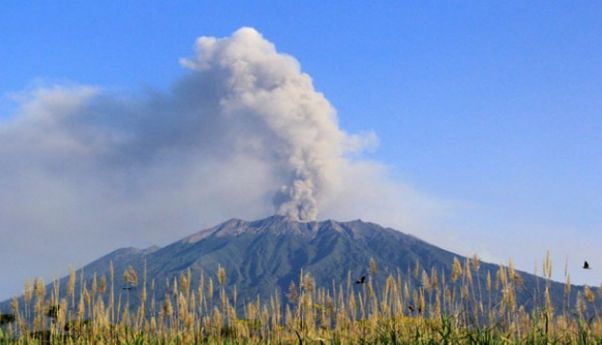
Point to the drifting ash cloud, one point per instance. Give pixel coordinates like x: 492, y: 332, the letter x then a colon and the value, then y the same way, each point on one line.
x: 242, y: 134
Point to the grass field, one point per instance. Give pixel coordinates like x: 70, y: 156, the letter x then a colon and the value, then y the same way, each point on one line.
x: 425, y: 308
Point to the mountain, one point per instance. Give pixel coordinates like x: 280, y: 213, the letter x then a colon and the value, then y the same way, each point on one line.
x: 264, y: 255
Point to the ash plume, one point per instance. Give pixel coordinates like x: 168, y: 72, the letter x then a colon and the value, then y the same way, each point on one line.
x: 299, y: 126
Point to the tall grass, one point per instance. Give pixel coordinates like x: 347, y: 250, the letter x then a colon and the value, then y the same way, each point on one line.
x: 423, y: 307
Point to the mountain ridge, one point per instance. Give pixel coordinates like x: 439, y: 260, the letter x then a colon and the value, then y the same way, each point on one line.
x: 236, y: 226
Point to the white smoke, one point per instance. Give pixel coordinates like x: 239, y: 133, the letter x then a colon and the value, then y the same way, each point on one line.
x: 243, y: 134
x: 265, y: 87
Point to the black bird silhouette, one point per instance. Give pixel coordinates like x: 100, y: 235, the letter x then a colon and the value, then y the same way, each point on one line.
x: 361, y: 280
x: 5, y: 319
x: 586, y: 265
x: 53, y: 311
x: 129, y: 287
x: 412, y: 309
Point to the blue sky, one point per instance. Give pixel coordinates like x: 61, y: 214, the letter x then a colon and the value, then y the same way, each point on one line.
x: 495, y: 106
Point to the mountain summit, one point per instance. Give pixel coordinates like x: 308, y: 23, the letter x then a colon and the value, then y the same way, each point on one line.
x: 263, y: 255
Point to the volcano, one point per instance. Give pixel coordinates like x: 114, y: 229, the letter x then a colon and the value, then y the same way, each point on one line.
x: 263, y: 257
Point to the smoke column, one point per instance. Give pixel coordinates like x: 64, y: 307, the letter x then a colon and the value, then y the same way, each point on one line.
x: 264, y: 86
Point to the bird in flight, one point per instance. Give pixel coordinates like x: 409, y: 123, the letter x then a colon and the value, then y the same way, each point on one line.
x: 586, y: 265
x: 5, y: 319
x: 361, y: 280
x: 53, y: 311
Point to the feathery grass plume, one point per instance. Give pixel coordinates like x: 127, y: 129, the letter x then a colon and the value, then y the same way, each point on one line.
x: 514, y: 275
x: 14, y: 305
x: 417, y: 270
x: 81, y: 306
x: 547, y: 266
x: 580, y: 303
x: 61, y: 315
x: 185, y: 282
x: 567, y: 293
x: 27, y: 296
x: 421, y: 302
x: 40, y: 289
x: 465, y: 291
x: 19, y: 327
x: 201, y: 291
x: 221, y: 275
x: 174, y: 288
x: 235, y: 295
x: 426, y: 282
x: 167, y: 309
x: 40, y: 295
x: 502, y: 276
x: 193, y: 304
x: 292, y: 294
x: 112, y: 292
x: 143, y: 297
x: 210, y: 289
x: 130, y: 277
x: 372, y: 267
x: 352, y: 306
x: 71, y: 285
x: 468, y: 270
x: 456, y: 270
x: 308, y: 283
x: 588, y: 294
x: 387, y: 301
x: 434, y: 278
x: 102, y: 287
x: 94, y: 287
x: 476, y: 263
x: 182, y: 307
x: 549, y: 306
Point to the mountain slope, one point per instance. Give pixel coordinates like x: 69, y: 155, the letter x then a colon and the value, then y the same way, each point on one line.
x: 262, y: 256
